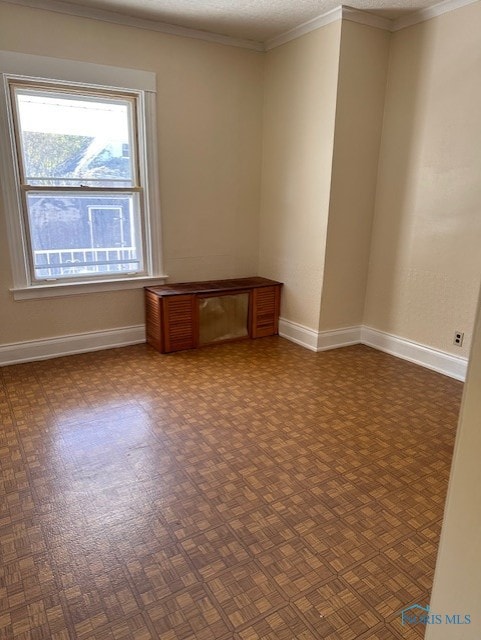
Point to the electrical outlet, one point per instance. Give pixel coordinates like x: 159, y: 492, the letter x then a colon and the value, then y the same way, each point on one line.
x: 458, y: 338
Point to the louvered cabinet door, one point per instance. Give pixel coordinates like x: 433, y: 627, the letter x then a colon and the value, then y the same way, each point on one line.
x: 179, y: 323
x: 265, y: 311
x: 153, y: 325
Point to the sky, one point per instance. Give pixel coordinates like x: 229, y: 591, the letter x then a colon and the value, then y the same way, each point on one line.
x: 96, y: 117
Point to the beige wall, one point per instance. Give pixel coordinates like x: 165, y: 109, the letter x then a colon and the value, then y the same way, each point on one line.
x: 457, y: 587
x: 360, y: 104
x: 304, y: 120
x: 298, y: 132
x: 425, y: 259
x: 209, y: 122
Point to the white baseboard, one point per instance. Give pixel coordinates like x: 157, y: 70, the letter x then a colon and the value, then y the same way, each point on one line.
x: 298, y: 333
x: 318, y: 340
x: 440, y: 361
x: 69, y: 345
x: 338, y: 338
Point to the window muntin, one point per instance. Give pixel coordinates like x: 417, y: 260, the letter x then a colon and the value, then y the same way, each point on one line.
x: 77, y: 155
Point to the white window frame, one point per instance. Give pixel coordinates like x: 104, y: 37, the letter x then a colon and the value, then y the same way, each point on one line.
x: 43, y: 69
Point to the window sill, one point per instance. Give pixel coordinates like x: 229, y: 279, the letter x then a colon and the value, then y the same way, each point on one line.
x: 82, y: 288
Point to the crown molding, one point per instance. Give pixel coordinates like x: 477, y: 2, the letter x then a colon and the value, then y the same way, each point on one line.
x: 305, y: 27
x: 345, y: 12
x: 364, y: 17
x: 430, y: 12
x: 342, y: 12
x: 140, y: 23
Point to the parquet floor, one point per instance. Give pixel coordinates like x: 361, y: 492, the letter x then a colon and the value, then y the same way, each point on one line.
x: 248, y: 491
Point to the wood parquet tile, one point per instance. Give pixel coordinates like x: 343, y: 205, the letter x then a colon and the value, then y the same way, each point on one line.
x: 249, y: 491
x: 335, y: 611
x: 284, y: 624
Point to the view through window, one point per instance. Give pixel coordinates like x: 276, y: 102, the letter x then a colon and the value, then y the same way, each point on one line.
x: 80, y: 181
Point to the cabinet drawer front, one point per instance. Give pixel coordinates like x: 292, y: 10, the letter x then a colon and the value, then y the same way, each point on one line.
x: 179, y: 323
x: 265, y: 311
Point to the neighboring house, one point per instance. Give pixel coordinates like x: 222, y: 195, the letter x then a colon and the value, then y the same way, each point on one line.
x: 99, y: 223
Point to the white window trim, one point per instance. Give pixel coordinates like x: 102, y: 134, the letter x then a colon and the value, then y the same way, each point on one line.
x: 71, y: 71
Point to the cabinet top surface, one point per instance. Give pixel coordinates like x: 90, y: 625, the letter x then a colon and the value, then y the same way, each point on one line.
x: 211, y: 286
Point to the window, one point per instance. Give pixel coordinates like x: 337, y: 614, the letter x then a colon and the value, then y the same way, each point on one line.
x: 81, y: 197
x: 79, y: 161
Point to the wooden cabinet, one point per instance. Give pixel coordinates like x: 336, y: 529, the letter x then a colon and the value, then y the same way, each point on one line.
x: 191, y: 314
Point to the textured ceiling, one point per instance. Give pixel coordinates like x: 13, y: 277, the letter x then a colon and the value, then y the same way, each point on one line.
x: 258, y: 20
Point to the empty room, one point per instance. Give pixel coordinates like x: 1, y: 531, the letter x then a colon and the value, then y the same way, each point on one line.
x: 240, y: 338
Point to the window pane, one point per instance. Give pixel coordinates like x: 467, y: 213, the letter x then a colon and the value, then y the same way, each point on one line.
x: 75, y: 235
x: 71, y: 140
